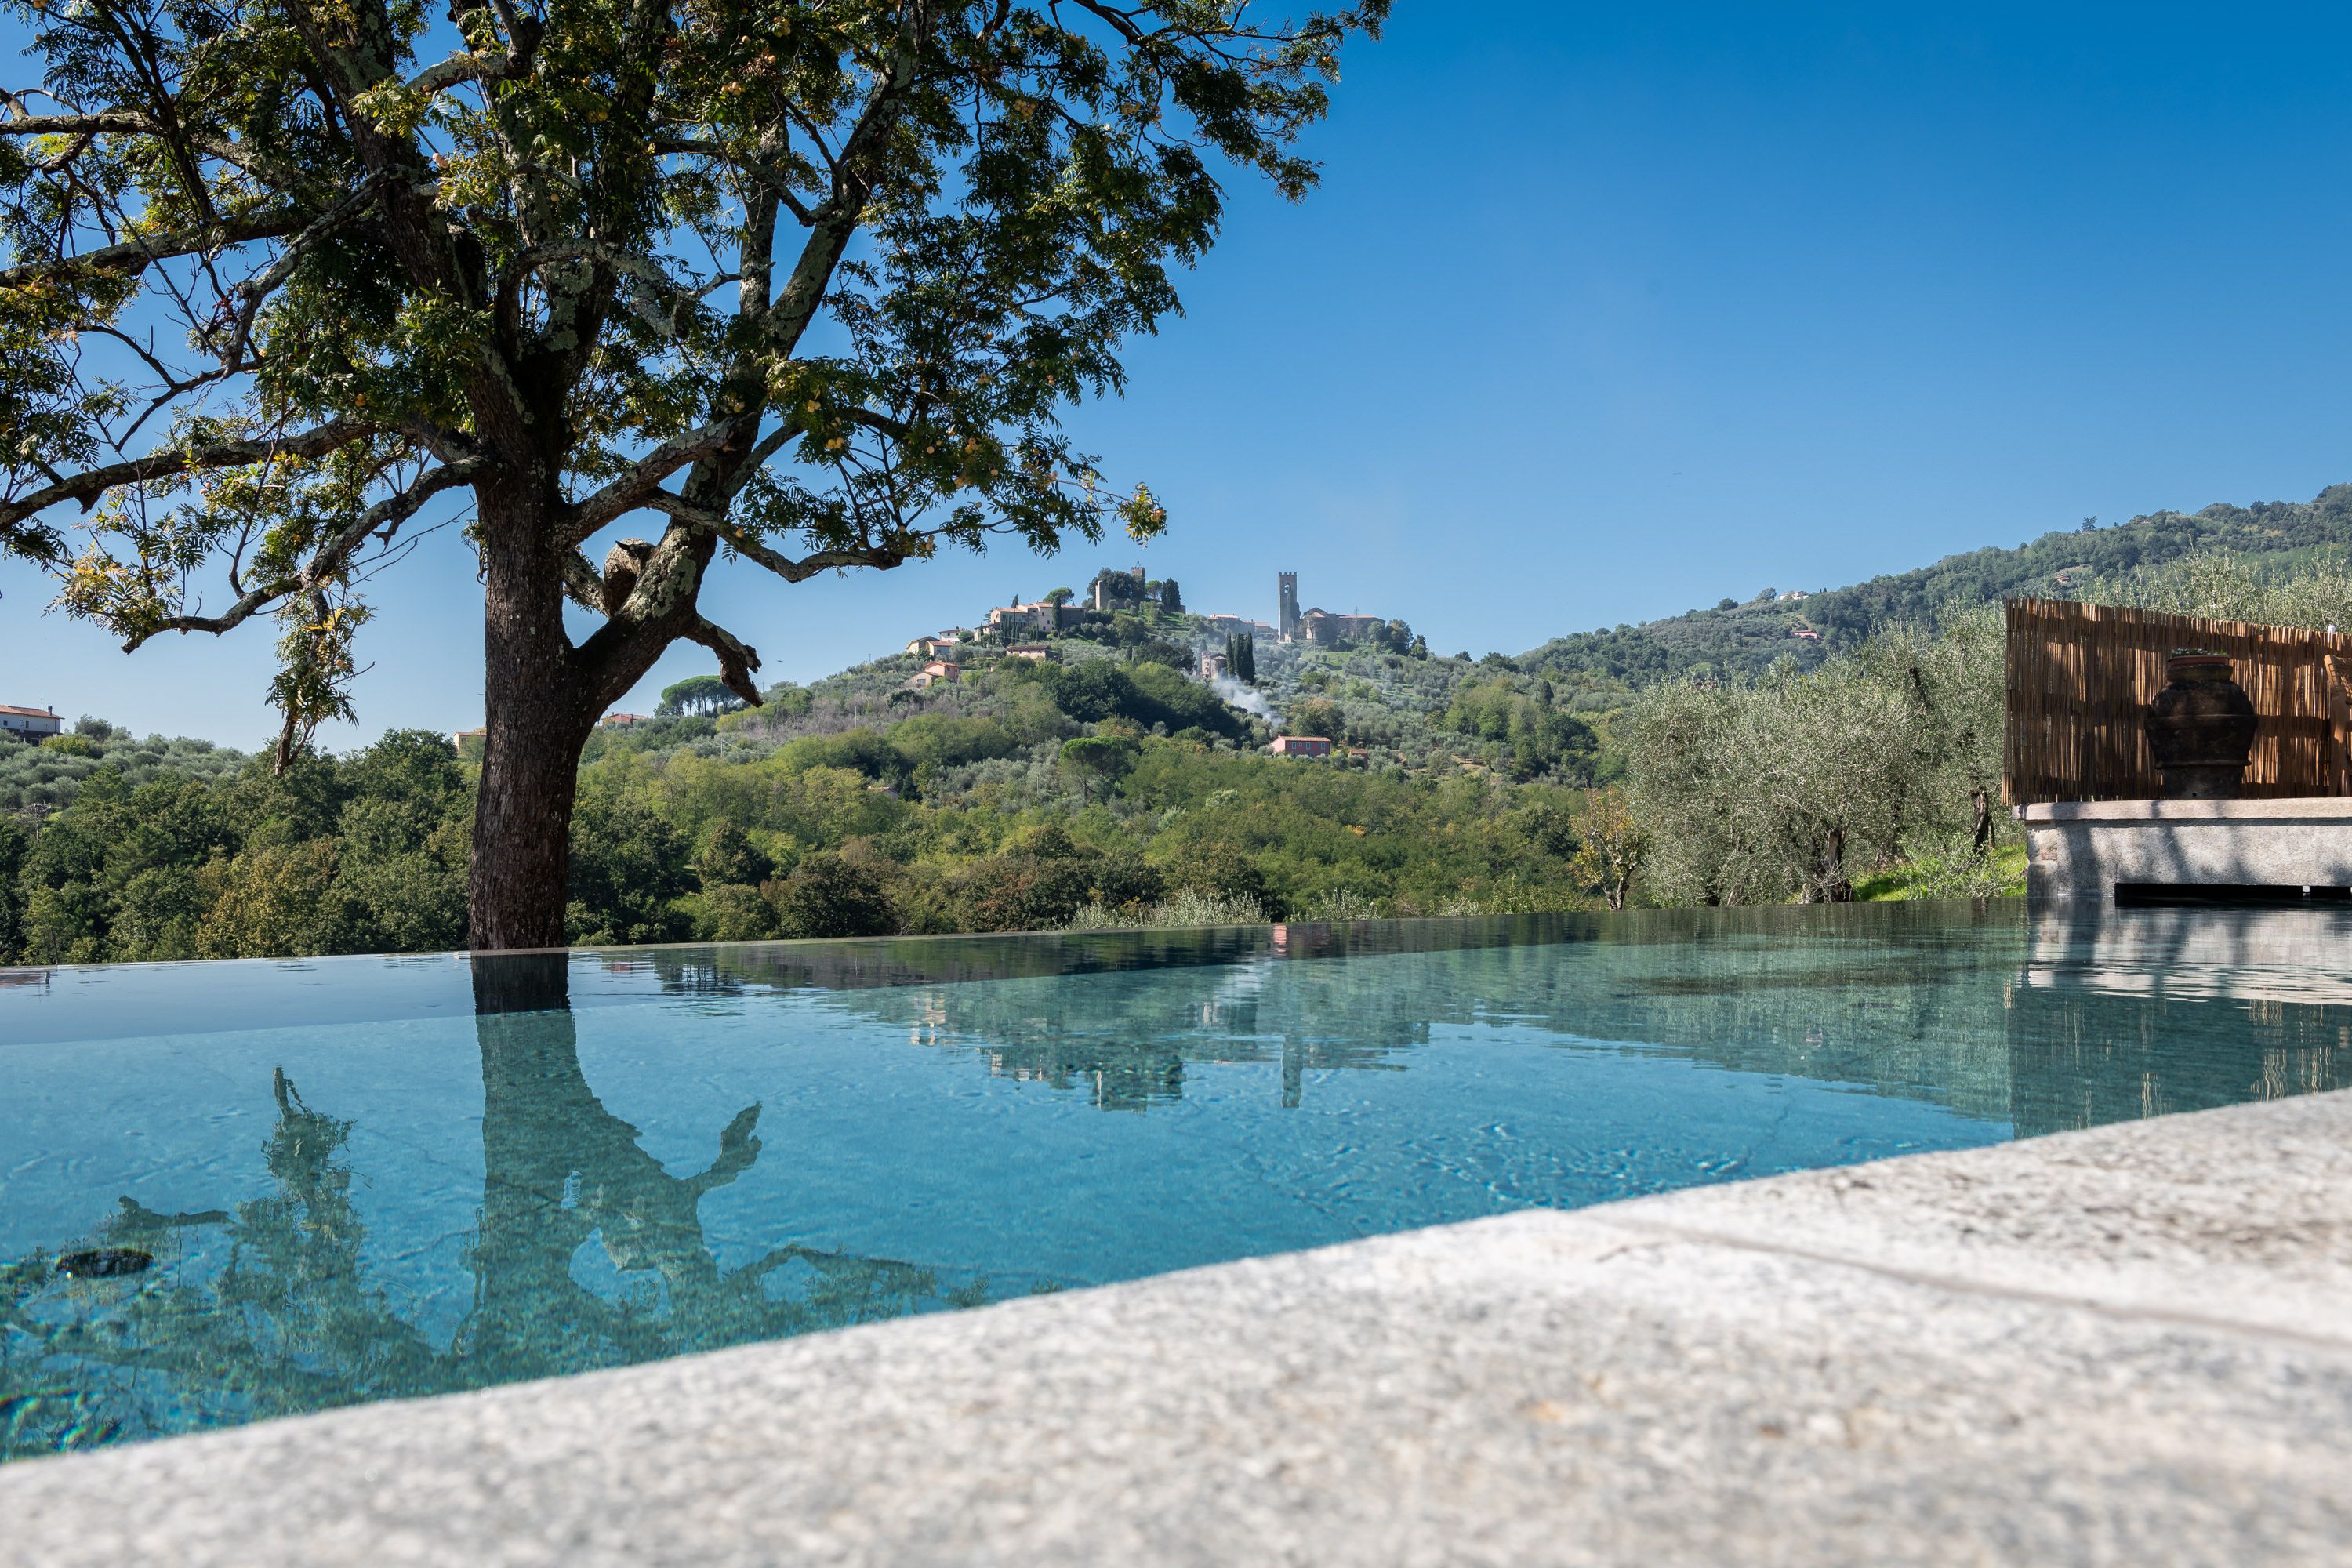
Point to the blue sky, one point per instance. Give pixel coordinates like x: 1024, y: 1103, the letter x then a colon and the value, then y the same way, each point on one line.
x: 1604, y: 312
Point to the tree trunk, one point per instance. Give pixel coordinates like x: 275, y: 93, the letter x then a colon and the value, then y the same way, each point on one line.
x: 537, y: 722
x: 1838, y: 886
x: 1981, y: 836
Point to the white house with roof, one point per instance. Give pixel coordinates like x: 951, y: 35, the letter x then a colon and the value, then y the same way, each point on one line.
x: 29, y: 723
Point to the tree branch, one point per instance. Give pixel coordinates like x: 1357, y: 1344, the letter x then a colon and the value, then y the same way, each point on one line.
x: 111, y: 120
x: 641, y: 486
x: 581, y: 586
x: 257, y: 287
x: 837, y: 218
x: 140, y: 254
x: 770, y: 178
x: 91, y: 484
x: 737, y: 660
x: 760, y: 554
x: 497, y: 65
x: 325, y: 562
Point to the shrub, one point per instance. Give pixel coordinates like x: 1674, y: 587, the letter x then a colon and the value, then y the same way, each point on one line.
x: 830, y: 894
x: 1185, y: 909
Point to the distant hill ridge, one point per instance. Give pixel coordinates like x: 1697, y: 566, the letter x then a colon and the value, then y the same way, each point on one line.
x: 1746, y: 639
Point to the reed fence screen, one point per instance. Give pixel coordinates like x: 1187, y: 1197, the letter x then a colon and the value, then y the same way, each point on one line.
x: 2080, y: 679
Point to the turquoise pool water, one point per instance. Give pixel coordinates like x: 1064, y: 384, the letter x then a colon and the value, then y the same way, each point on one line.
x: 362, y: 1179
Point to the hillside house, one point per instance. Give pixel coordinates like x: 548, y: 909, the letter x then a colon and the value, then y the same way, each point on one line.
x: 935, y: 645
x: 625, y: 720
x: 1213, y: 667
x: 938, y: 669
x: 1034, y: 651
x: 32, y: 724
x: 1240, y: 625
x: 1300, y: 746
x: 1040, y: 615
x: 1326, y: 628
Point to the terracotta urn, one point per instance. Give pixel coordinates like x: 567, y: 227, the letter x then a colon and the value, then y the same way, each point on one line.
x: 2200, y: 729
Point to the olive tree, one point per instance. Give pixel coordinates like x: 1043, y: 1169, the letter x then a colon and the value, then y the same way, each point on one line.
x: 804, y: 283
x: 1794, y: 786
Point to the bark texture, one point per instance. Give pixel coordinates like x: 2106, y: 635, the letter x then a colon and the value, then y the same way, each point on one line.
x: 537, y: 721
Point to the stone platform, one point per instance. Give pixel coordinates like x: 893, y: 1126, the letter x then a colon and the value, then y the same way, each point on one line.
x: 2084, y: 850
x: 2130, y: 1345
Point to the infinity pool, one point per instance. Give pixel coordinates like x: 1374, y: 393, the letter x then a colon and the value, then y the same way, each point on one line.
x: 241, y: 1189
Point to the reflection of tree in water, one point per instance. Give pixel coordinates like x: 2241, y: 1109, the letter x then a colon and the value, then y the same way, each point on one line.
x: 290, y: 1322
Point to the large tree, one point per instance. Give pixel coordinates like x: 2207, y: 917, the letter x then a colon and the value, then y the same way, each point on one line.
x: 804, y: 282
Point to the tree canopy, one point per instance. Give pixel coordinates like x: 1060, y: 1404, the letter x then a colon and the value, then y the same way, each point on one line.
x: 702, y: 694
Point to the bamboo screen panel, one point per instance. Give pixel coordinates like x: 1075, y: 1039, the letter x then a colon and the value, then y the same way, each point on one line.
x: 2081, y: 677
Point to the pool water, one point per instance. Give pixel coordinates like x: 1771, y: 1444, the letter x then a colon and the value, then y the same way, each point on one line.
x: 363, y: 1179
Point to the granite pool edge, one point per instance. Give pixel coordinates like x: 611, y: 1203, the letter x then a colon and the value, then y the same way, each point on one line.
x: 2129, y: 1344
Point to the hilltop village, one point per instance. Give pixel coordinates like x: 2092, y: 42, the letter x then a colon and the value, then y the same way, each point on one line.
x: 1126, y: 609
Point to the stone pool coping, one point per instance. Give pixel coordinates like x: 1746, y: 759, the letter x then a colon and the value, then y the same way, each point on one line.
x: 2086, y: 849
x: 2284, y: 808
x: 2132, y: 1344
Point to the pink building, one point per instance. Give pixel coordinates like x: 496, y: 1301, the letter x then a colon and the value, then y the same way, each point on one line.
x: 1300, y: 746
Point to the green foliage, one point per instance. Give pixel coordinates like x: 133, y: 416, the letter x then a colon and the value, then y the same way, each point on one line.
x: 728, y: 858
x: 15, y: 842
x: 1959, y: 873
x: 706, y: 695
x: 1096, y: 759
x: 1526, y: 736
x: 1604, y: 847
x: 2315, y: 592
x: 44, y: 778
x: 1317, y: 716
x: 364, y: 854
x: 1148, y: 696
x: 1187, y: 908
x: 833, y: 895
x: 1794, y: 786
x: 1159, y: 650
x: 628, y: 871
x: 1737, y: 641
